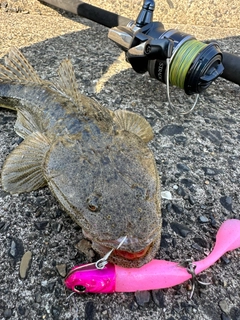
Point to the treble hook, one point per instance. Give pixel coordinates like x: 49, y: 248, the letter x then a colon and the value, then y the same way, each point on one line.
x: 191, y: 269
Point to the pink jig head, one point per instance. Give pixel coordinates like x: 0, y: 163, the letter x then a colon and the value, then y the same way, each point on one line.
x: 157, y: 274
x: 93, y: 277
x: 87, y: 278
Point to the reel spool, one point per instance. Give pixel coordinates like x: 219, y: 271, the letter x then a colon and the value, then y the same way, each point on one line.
x: 193, y: 64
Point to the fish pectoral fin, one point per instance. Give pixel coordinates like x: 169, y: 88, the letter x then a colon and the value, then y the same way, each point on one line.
x: 67, y: 83
x: 18, y: 69
x: 23, y: 168
x: 134, y: 123
x: 25, y: 124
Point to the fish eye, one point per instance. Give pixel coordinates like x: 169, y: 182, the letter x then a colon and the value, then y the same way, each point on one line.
x: 92, y: 207
x: 93, y: 202
x: 80, y: 289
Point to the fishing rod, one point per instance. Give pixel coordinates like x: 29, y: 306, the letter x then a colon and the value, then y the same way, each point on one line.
x: 170, y: 56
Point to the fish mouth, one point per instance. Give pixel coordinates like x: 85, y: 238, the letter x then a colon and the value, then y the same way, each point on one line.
x: 121, y: 257
x: 131, y: 255
x: 127, y: 256
x: 129, y: 259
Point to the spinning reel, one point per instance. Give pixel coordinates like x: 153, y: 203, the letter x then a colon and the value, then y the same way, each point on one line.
x: 171, y: 56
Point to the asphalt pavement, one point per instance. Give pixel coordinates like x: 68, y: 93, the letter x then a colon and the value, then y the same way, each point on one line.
x: 197, y: 157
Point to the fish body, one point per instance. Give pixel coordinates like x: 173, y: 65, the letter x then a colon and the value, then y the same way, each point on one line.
x: 95, y: 161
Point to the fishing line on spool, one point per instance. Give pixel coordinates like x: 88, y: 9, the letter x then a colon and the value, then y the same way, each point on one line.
x: 179, y: 65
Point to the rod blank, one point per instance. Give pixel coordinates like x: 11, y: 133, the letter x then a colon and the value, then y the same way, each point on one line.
x: 101, y: 16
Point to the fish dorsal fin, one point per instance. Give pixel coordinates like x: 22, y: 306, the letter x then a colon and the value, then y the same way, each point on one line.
x: 134, y: 123
x: 18, y: 69
x: 67, y: 83
x: 23, y: 168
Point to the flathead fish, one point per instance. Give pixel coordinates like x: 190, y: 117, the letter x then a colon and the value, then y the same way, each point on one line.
x: 95, y: 161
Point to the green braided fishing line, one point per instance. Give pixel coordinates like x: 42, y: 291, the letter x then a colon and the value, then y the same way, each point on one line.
x: 182, y: 61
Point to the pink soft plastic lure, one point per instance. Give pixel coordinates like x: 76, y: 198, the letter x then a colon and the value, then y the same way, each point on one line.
x: 157, y: 274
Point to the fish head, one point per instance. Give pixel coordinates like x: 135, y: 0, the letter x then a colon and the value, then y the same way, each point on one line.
x: 111, y: 189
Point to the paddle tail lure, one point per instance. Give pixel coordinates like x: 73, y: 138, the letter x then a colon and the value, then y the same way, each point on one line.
x: 157, y: 274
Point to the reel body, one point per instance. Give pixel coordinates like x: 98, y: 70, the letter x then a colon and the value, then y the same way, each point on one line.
x: 193, y: 65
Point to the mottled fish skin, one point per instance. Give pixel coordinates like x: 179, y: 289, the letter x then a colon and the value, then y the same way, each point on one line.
x: 95, y: 161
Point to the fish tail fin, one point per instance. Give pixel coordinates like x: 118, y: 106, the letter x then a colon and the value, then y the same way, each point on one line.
x: 18, y: 69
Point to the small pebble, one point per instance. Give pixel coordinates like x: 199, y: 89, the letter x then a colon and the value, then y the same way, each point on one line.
x: 224, y: 283
x: 226, y: 202
x: 213, y: 135
x: 38, y: 297
x: 191, y: 200
x: 181, y: 192
x: 90, y: 310
x: 41, y: 225
x: 168, y: 207
x: 62, y: 269
x: 25, y: 264
x: 16, y: 250
x: 203, y: 219
x: 225, y: 259
x: 197, y: 247
x: 85, y: 247
x: 166, y: 195
x: 6, y: 227
x: 181, y: 139
x: 171, y: 130
x: 213, y: 222
x: 59, y: 227
x: 2, y: 224
x: 21, y: 310
x: 55, y: 311
x: 224, y: 317
x: 180, y: 229
x: 182, y: 167
x: 158, y: 298
x: 187, y: 183
x: 133, y: 306
x: 224, y: 305
x: 201, y: 242
x: 211, y: 171
x: 177, y: 209
x: 7, y: 313
x: 142, y: 297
